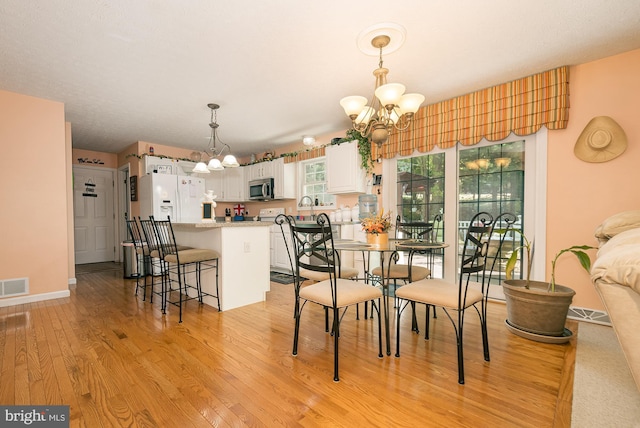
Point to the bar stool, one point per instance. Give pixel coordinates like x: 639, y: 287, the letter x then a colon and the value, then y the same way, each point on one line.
x: 142, y: 251
x: 180, y: 263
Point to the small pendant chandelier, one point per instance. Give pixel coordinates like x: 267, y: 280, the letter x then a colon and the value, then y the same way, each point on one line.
x: 229, y: 161
x: 390, y: 107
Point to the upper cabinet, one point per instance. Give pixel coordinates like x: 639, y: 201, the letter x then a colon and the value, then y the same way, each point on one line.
x: 344, y: 174
x: 284, y: 177
x: 260, y: 170
x: 228, y: 185
x: 234, y: 184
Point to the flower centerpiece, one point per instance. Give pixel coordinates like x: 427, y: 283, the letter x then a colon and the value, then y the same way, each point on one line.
x: 377, y: 228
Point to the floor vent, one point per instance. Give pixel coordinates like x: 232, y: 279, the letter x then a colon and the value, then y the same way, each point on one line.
x: 14, y: 287
x: 589, y: 315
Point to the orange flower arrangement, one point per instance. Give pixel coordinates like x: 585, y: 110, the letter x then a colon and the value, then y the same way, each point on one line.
x: 379, y: 223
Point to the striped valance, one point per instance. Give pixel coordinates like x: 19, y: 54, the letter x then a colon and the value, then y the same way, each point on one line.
x: 521, y: 106
x: 307, y: 154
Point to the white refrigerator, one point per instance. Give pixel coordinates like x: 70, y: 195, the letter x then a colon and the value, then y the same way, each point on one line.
x: 175, y: 196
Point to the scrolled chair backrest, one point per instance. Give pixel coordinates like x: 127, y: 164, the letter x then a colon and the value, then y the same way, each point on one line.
x: 476, y: 243
x: 503, y: 227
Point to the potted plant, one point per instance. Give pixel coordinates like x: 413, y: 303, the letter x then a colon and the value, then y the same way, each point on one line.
x: 538, y: 310
x: 377, y: 228
x: 364, y: 148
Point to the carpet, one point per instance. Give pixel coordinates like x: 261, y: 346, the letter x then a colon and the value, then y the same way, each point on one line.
x: 604, y: 393
x: 281, y: 278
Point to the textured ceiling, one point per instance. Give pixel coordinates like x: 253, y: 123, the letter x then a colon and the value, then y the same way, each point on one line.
x: 145, y: 70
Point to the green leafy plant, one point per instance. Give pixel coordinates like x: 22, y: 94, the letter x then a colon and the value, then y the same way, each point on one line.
x: 364, y: 148
x: 527, y: 249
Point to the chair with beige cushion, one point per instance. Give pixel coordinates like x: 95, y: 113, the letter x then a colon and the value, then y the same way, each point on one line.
x: 181, y: 264
x: 472, y: 288
x: 315, y: 241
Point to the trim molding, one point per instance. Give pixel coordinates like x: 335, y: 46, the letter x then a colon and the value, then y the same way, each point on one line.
x: 34, y: 298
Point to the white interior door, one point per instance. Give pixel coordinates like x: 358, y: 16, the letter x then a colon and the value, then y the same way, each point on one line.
x: 93, y: 210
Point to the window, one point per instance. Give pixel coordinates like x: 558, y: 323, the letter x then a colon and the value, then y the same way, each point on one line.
x: 420, y: 193
x: 313, y: 181
x: 488, y: 176
x: 491, y: 179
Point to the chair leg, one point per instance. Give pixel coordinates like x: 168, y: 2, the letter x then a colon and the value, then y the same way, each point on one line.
x: 379, y: 331
x: 336, y: 334
x: 460, y: 349
x: 297, y: 327
x: 398, y: 313
x: 426, y: 323
x: 485, y: 335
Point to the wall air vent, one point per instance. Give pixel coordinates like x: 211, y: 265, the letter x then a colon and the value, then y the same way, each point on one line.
x: 14, y: 287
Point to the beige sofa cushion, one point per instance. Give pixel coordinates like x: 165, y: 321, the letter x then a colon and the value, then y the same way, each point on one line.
x: 620, y: 265
x: 628, y: 237
x: 617, y: 223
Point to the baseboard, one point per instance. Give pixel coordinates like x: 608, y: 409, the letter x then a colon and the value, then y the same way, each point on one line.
x: 72, y: 281
x: 589, y: 315
x: 34, y: 298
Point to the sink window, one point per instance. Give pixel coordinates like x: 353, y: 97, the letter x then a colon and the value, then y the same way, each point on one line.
x: 313, y: 182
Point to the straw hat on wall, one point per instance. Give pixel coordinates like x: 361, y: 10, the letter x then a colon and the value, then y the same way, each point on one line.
x: 601, y: 140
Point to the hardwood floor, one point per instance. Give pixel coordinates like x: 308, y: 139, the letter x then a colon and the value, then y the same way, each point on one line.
x: 118, y: 362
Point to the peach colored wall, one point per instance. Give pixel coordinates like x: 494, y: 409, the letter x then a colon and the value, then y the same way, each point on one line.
x: 70, y: 218
x: 581, y: 194
x: 92, y: 158
x: 35, y: 215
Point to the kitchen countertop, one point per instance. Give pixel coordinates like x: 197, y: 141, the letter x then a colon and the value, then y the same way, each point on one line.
x: 220, y: 224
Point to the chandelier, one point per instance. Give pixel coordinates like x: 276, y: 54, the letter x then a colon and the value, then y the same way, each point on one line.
x: 390, y: 107
x: 212, y: 150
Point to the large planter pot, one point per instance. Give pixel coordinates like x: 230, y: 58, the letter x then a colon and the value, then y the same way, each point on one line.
x: 536, y: 310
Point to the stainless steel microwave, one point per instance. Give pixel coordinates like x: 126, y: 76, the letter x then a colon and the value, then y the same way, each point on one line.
x: 261, y: 189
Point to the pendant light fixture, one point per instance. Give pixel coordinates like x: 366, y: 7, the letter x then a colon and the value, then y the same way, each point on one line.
x: 390, y: 107
x: 229, y: 161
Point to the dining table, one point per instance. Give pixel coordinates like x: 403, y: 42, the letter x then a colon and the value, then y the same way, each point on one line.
x: 389, y: 254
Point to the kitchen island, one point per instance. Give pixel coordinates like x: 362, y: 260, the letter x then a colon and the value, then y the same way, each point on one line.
x: 244, y: 259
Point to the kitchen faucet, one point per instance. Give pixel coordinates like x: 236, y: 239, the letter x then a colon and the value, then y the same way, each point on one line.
x: 313, y: 217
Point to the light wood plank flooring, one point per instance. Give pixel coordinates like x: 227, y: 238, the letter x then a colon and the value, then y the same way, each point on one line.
x: 118, y: 362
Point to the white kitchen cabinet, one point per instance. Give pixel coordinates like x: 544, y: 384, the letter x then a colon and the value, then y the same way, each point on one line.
x: 234, y: 184
x: 228, y: 185
x: 261, y: 170
x: 344, y: 174
x: 279, y: 255
x: 284, y: 175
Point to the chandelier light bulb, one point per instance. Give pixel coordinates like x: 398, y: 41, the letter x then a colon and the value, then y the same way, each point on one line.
x: 390, y: 94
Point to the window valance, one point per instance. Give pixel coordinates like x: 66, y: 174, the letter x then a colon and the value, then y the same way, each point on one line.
x: 521, y: 106
x: 304, y: 155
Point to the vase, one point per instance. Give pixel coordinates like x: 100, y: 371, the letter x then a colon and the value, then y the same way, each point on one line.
x: 378, y: 239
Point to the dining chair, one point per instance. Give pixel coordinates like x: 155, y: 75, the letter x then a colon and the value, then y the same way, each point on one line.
x: 141, y: 255
x: 472, y: 288
x: 312, y: 250
x: 344, y: 272
x: 181, y: 263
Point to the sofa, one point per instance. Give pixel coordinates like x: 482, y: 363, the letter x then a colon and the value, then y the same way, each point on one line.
x: 616, y: 276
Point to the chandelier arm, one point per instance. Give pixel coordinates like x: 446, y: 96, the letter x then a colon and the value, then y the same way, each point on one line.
x: 404, y: 122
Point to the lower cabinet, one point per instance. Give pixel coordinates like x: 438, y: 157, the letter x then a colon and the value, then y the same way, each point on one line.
x: 278, y: 253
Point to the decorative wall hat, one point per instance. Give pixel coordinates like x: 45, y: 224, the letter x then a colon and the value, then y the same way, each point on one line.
x: 601, y: 140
